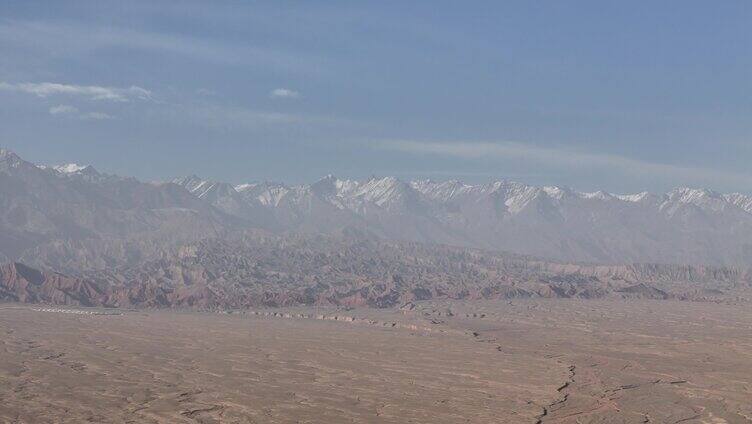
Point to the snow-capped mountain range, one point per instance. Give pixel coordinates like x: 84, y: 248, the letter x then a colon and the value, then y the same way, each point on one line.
x: 40, y: 204
x: 383, y: 192
x: 684, y: 225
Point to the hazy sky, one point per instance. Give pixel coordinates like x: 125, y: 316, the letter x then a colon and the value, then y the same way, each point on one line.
x: 614, y: 95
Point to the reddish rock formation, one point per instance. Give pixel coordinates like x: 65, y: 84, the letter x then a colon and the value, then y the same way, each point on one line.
x: 21, y: 283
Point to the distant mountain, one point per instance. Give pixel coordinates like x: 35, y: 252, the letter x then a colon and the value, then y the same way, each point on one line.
x: 682, y: 226
x: 224, y: 197
x: 73, y: 216
x: 43, y: 206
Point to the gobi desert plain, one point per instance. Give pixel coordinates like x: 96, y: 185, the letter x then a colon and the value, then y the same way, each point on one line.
x: 519, y: 361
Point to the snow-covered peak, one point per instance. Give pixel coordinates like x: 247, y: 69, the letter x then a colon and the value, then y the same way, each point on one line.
x: 333, y: 189
x: 443, y: 191
x: 326, y: 186
x: 692, y: 195
x: 70, y: 168
x: 740, y: 200
x: 599, y: 195
x: 346, y: 187
x: 454, y: 197
x: 205, y: 189
x: 263, y: 185
x: 245, y: 186
x: 268, y: 193
x: 555, y: 192
x: 520, y: 195
x: 697, y: 196
x: 389, y: 193
x: 634, y: 198
x: 10, y: 159
x: 8, y: 154
x: 381, y: 190
x: 191, y: 183
x: 703, y: 198
x: 422, y: 185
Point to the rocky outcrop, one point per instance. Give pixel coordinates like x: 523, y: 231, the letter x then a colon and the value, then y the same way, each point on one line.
x: 643, y: 291
x: 20, y: 283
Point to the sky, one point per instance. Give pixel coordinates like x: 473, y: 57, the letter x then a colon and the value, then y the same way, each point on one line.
x: 595, y: 95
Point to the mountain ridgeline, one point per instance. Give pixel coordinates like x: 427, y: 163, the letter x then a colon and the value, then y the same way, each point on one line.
x: 46, y: 210
x: 694, y: 226
x: 683, y: 226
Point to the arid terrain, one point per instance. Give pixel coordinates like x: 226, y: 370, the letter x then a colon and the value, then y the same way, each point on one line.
x: 368, y: 301
x: 516, y: 212
x: 515, y: 361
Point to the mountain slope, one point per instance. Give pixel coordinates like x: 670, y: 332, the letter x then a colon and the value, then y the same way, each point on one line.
x: 40, y: 205
x: 224, y: 197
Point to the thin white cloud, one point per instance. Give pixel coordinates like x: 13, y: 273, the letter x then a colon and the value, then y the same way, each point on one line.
x: 63, y: 110
x: 565, y: 158
x: 93, y: 92
x: 74, y: 112
x: 284, y: 93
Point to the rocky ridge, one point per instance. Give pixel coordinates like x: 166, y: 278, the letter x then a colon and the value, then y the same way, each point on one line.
x: 252, y: 271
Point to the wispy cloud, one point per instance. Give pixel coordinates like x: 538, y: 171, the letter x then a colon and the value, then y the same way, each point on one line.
x: 554, y: 157
x: 72, y: 111
x: 93, y: 92
x: 63, y: 110
x: 284, y: 93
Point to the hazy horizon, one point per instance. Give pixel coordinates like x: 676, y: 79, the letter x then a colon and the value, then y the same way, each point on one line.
x: 438, y: 178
